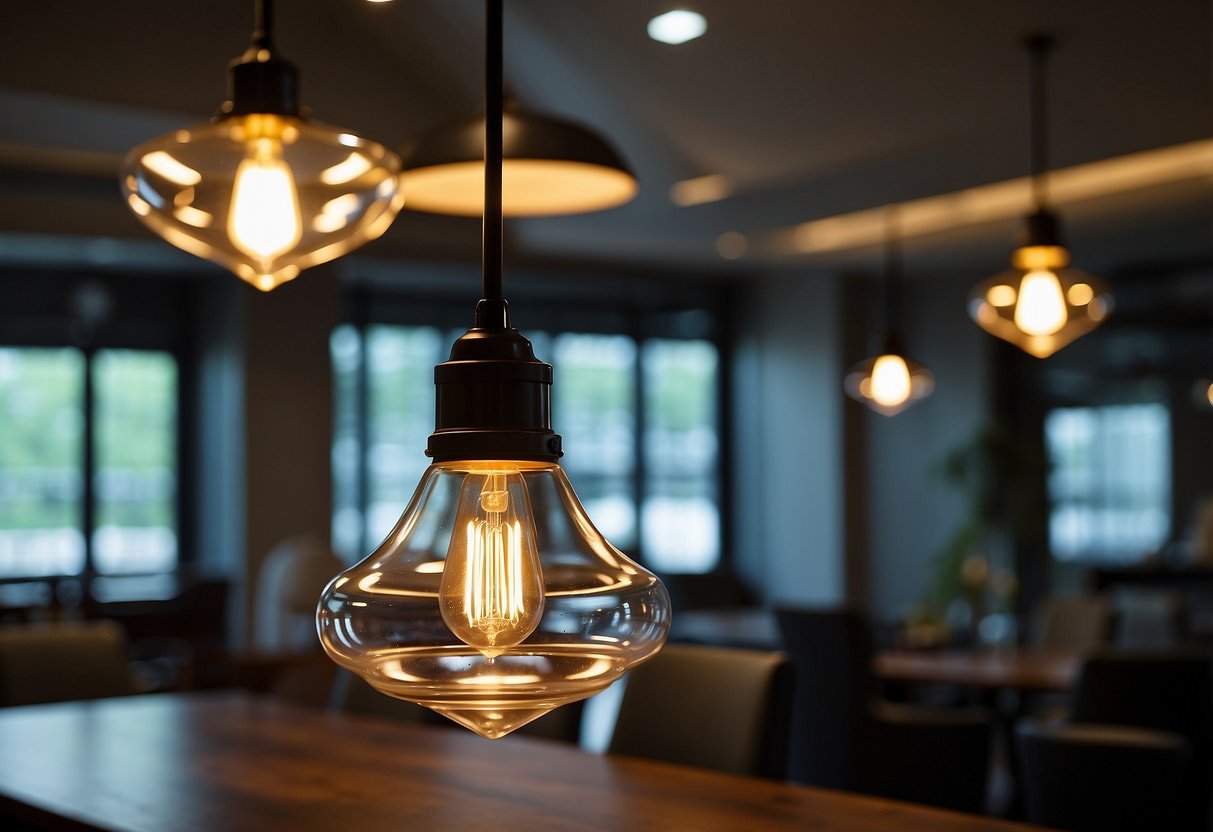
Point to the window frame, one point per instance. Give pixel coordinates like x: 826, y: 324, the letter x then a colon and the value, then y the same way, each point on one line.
x: 598, y: 312
x: 154, y: 318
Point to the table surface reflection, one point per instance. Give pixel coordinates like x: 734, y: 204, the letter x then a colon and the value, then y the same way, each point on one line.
x: 234, y: 762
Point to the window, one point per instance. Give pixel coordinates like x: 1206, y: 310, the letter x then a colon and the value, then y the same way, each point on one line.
x: 1110, y: 485
x: 127, y: 481
x: 657, y: 499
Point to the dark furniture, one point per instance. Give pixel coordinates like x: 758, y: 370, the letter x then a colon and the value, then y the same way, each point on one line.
x: 1102, y: 778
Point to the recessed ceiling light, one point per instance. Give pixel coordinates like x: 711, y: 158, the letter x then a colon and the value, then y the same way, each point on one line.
x: 677, y: 26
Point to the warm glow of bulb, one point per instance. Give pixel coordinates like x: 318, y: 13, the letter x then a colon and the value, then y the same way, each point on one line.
x: 1001, y: 295
x: 492, y: 585
x: 890, y: 385
x: 1042, y: 305
x: 1080, y: 294
x: 1209, y: 393
x: 264, y: 220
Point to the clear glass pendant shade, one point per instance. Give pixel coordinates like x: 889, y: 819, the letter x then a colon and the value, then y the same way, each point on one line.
x: 264, y: 195
x: 493, y: 600
x: 889, y: 383
x: 1040, y: 306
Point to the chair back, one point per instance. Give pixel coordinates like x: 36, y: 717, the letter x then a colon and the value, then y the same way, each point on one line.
x: 1150, y: 619
x: 832, y: 653
x: 1102, y: 777
x: 933, y: 755
x: 1168, y: 691
x: 1072, y: 624
x: 290, y: 581
x: 719, y: 708
x: 60, y: 662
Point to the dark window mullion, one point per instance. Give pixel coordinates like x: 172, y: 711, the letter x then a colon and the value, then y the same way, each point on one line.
x: 89, y: 452
x: 638, y: 425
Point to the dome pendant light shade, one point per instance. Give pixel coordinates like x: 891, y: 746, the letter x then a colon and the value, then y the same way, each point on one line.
x: 262, y: 190
x: 551, y: 167
x: 1041, y: 305
x: 494, y: 599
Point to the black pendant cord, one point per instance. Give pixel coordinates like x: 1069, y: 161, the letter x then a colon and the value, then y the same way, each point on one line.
x: 892, y: 280
x: 1039, y: 47
x: 491, y: 312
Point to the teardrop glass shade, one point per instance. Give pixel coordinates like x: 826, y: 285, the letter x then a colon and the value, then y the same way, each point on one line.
x: 1040, y: 306
x: 889, y: 383
x: 263, y: 195
x: 454, y: 613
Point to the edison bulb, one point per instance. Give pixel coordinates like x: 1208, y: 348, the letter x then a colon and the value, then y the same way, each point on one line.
x: 1041, y: 307
x: 890, y: 380
x: 492, y: 582
x: 264, y: 195
x: 889, y: 383
x: 264, y: 219
x: 493, y: 600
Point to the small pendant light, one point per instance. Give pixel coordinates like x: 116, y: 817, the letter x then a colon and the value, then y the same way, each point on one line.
x: 1040, y: 305
x: 263, y: 190
x: 890, y: 382
x: 494, y: 599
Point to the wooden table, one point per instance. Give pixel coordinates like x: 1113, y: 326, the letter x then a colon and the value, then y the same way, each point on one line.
x: 235, y: 762
x: 1022, y: 670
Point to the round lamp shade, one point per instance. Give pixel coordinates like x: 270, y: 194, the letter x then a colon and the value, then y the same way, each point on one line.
x: 551, y: 167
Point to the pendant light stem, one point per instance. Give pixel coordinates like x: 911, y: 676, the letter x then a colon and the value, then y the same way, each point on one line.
x: 263, y: 24
x: 1039, y: 46
x: 494, y: 94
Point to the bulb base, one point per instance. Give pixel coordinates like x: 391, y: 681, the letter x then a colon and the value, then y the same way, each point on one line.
x: 261, y: 82
x: 494, y: 398
x: 1041, y: 228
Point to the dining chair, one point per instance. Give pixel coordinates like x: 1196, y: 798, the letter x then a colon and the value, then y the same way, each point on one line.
x: 291, y: 578
x: 63, y: 661
x: 1102, y: 777
x: 845, y: 737
x: 1072, y: 624
x: 831, y: 650
x: 933, y: 755
x: 1168, y: 691
x: 720, y: 708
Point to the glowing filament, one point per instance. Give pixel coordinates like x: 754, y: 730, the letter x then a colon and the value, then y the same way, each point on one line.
x: 1042, y: 306
x: 264, y: 220
x: 890, y: 385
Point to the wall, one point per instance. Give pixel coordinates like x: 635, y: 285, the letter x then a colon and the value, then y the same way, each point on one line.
x: 834, y: 503
x: 788, y: 509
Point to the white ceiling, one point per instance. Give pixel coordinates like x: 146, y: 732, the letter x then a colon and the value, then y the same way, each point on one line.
x: 810, y: 108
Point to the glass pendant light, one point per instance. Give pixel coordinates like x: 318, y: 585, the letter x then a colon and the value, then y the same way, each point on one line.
x: 494, y: 599
x: 1040, y: 305
x: 263, y: 190
x: 890, y: 382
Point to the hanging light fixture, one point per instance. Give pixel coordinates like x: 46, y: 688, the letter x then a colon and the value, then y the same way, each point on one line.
x: 551, y: 167
x: 263, y: 190
x: 1040, y: 305
x: 890, y: 382
x: 494, y: 599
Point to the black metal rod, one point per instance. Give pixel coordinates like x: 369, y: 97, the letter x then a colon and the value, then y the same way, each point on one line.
x: 263, y: 23
x: 494, y: 93
x: 1039, y: 46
